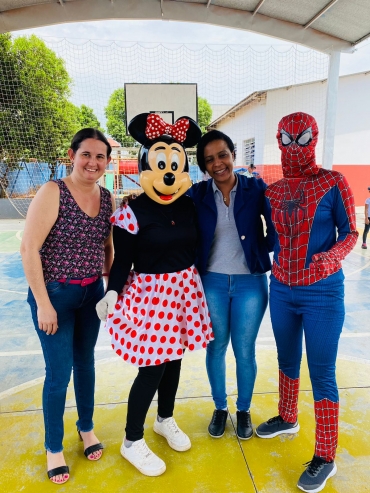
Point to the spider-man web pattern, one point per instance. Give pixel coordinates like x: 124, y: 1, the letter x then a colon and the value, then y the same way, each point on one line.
x: 297, y: 138
x: 288, y: 397
x: 308, y: 249
x: 326, y: 416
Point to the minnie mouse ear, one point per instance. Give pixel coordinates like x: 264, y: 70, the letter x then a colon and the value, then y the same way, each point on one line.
x: 137, y: 127
x: 193, y: 133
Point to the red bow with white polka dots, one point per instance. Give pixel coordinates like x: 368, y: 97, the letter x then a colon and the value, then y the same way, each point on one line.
x: 156, y: 126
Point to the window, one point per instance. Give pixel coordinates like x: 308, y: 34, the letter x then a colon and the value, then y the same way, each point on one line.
x: 249, y: 145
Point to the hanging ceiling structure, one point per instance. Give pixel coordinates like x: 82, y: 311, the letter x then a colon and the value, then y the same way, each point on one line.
x: 323, y: 25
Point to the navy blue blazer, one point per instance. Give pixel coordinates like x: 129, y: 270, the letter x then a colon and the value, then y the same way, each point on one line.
x: 250, y: 203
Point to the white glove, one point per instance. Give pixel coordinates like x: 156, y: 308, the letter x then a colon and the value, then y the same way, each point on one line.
x: 106, y: 305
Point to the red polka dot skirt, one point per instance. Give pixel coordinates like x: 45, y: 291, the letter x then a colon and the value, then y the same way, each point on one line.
x: 157, y: 316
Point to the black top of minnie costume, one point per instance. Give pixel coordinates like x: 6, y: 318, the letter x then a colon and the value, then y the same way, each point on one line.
x: 159, y: 247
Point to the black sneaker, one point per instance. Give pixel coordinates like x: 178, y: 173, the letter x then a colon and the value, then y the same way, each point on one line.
x: 317, y: 473
x: 244, y: 428
x: 276, y: 426
x: 217, y: 425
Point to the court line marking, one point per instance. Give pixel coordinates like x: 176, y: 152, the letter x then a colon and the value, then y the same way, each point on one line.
x: 17, y: 235
x: 22, y: 334
x: 32, y: 352
x: 21, y: 387
x: 359, y: 253
x: 358, y: 270
x: 107, y: 348
x: 15, y: 292
x: 39, y: 380
x: 355, y: 334
x: 343, y: 334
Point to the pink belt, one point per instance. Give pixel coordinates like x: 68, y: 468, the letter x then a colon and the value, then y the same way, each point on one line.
x: 84, y: 282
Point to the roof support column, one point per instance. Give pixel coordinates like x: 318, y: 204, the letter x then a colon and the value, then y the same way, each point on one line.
x: 331, y: 110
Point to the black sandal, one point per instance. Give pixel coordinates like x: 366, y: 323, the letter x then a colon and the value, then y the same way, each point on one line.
x: 90, y: 450
x: 57, y: 471
x: 93, y: 448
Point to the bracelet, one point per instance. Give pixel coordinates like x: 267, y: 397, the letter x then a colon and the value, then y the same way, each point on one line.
x: 105, y: 274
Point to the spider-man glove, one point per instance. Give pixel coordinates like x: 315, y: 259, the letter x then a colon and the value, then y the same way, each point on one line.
x: 325, y: 265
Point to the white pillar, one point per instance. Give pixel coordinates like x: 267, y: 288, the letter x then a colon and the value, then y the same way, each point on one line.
x: 331, y: 110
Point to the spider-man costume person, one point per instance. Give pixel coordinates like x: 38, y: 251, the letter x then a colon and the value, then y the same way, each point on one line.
x: 314, y: 217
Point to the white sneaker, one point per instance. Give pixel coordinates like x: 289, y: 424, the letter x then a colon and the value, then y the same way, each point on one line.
x: 140, y: 456
x: 176, y: 438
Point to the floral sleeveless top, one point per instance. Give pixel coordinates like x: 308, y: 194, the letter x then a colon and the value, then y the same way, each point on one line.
x: 75, y: 245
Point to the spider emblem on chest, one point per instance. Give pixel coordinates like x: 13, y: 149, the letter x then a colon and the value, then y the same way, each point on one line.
x: 292, y: 207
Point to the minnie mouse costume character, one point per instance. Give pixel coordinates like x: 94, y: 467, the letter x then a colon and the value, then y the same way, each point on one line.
x: 314, y: 217
x: 158, y: 309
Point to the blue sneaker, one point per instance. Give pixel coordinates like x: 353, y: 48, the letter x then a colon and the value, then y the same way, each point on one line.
x: 315, y: 476
x: 276, y: 426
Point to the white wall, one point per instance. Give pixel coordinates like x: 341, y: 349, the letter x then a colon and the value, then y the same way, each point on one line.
x: 218, y: 110
x: 249, y: 122
x: 309, y: 98
x: 352, y: 132
x: 260, y: 120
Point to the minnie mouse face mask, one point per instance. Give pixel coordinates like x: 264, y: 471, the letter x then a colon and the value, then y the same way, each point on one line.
x: 163, y: 163
x: 297, y: 138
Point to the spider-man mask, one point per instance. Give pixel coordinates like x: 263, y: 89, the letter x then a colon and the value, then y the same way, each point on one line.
x: 297, y: 137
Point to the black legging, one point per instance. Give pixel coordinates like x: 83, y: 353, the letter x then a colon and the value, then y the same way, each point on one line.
x: 366, y: 230
x: 165, y: 379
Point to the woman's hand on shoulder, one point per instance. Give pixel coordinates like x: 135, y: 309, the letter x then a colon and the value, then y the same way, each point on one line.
x: 127, y: 199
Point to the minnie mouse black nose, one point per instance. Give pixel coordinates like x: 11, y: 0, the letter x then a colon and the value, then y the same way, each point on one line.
x: 169, y: 179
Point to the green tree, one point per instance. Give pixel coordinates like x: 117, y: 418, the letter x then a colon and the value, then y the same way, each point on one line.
x: 87, y: 118
x: 115, y: 113
x: 37, y: 120
x: 204, y: 114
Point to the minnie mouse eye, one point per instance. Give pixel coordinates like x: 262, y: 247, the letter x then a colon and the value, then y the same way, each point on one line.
x: 161, y: 160
x: 305, y: 138
x: 174, y: 161
x: 286, y: 139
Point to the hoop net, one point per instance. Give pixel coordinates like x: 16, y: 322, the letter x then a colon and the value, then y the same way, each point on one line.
x: 249, y: 89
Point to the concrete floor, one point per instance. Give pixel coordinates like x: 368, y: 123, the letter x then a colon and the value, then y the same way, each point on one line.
x: 225, y: 465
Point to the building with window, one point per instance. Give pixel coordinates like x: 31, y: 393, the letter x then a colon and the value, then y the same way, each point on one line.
x: 252, y: 123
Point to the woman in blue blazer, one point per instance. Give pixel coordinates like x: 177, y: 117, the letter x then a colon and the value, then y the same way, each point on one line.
x: 232, y: 259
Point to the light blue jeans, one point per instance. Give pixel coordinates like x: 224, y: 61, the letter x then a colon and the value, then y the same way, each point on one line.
x: 236, y: 304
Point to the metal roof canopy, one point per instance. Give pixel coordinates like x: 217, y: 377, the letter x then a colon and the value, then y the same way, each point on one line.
x: 323, y: 25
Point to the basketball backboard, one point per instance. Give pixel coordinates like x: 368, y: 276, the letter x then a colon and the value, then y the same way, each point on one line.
x: 170, y: 101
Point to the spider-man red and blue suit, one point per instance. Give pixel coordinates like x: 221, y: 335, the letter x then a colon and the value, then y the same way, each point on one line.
x: 314, y: 216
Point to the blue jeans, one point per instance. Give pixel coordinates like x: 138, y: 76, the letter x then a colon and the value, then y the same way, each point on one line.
x: 236, y: 304
x: 318, y: 312
x: 72, y: 346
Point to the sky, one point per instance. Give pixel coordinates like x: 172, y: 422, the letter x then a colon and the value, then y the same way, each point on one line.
x: 187, y: 33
